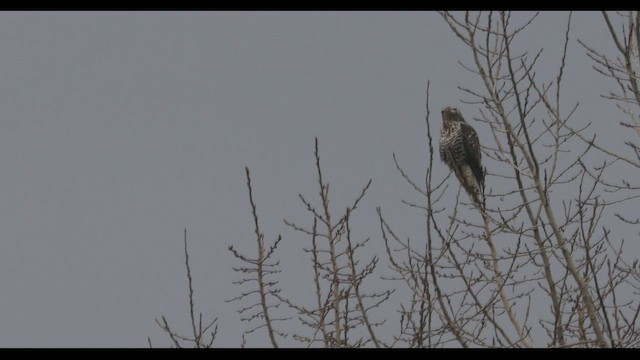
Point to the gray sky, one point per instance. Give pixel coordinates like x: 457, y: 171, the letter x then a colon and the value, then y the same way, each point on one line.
x: 119, y: 129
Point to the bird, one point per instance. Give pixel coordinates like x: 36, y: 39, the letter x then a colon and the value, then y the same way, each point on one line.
x: 460, y: 150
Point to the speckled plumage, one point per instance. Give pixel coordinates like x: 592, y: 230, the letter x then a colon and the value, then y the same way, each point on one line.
x: 460, y: 150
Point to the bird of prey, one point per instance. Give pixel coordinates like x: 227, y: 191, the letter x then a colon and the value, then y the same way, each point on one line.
x: 460, y: 150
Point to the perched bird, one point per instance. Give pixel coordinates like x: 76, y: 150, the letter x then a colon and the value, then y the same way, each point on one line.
x: 460, y: 150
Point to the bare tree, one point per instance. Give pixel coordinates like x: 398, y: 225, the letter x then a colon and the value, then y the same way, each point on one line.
x: 540, y: 263
x: 546, y: 209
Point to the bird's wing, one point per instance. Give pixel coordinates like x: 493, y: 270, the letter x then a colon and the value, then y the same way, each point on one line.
x: 473, y: 153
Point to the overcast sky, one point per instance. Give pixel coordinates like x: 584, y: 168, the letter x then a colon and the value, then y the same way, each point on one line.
x: 118, y: 130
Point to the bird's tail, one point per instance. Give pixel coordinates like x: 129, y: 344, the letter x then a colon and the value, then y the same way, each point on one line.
x: 474, y: 189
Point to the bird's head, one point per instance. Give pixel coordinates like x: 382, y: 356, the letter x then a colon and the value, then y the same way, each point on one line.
x: 451, y: 115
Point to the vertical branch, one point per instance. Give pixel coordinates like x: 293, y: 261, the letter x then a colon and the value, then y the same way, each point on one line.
x: 191, y: 305
x: 506, y: 303
x: 262, y: 256
x: 421, y: 271
x: 198, y: 331
x: 259, y: 269
x: 355, y: 282
x: 331, y: 237
x: 426, y: 320
x: 316, y: 279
